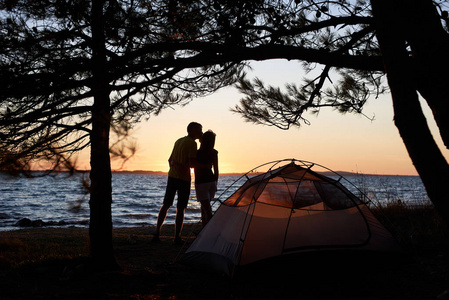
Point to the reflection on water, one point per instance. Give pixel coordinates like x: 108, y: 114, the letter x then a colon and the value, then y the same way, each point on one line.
x: 138, y: 197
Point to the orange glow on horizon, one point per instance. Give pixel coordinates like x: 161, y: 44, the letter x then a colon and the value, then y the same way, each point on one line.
x: 339, y: 142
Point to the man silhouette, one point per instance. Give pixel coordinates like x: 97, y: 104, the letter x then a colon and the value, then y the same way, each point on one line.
x: 181, y: 160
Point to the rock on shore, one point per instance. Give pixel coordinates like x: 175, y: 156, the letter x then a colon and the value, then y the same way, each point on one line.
x: 25, y: 222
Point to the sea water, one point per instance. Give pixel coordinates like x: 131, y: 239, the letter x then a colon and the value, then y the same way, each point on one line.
x: 62, y: 200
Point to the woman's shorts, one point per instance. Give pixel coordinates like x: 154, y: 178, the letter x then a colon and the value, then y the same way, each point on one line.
x: 206, y: 191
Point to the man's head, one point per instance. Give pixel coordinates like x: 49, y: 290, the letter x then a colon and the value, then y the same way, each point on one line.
x: 195, y: 130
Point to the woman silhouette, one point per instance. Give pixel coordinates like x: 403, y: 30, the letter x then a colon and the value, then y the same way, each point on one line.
x: 206, y: 174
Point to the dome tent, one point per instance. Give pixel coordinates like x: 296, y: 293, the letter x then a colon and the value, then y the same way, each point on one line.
x: 285, y: 211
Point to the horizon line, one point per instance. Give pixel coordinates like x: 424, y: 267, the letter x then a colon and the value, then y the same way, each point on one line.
x: 341, y: 173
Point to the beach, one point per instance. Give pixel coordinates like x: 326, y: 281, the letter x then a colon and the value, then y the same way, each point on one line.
x: 51, y: 263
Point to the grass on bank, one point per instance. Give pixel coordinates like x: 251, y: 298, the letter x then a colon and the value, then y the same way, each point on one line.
x: 39, y: 244
x: 28, y: 246
x: 418, y: 228
x: 46, y: 263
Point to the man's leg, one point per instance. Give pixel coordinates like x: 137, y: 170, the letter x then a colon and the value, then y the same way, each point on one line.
x: 183, y: 199
x: 179, y: 222
x: 169, y: 197
x: 161, y: 218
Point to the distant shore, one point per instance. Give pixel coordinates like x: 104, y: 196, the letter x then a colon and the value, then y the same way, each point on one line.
x: 148, y: 172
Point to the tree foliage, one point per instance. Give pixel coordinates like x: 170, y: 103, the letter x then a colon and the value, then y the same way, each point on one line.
x: 162, y: 53
x: 153, y: 61
x: 338, y: 44
x: 344, y: 57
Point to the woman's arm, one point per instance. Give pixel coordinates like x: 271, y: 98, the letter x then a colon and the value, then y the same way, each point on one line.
x: 215, y: 165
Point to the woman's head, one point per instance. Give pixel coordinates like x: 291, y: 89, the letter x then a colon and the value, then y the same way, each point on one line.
x: 208, y: 140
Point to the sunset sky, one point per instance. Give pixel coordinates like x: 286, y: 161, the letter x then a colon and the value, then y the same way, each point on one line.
x: 340, y: 142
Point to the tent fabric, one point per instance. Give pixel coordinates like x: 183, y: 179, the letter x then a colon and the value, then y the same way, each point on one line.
x: 289, y: 210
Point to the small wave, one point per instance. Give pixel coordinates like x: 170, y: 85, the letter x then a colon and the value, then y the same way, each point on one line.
x: 140, y: 216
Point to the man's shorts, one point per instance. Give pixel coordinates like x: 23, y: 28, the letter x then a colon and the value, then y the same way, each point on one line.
x: 177, y: 185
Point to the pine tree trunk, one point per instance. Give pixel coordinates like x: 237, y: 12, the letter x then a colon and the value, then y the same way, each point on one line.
x: 409, y: 118
x: 429, y: 43
x: 100, y: 228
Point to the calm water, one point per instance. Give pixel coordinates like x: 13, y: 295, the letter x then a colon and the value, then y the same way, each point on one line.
x: 137, y: 198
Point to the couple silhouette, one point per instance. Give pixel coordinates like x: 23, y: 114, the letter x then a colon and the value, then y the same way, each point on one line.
x: 184, y: 157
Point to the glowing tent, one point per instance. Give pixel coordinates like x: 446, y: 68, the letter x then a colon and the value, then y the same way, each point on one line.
x: 287, y: 210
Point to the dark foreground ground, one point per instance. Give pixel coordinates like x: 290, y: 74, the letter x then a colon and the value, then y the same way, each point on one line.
x: 50, y: 263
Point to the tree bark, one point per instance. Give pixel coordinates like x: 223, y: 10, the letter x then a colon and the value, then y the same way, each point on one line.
x: 409, y: 118
x: 100, y: 228
x: 429, y: 43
